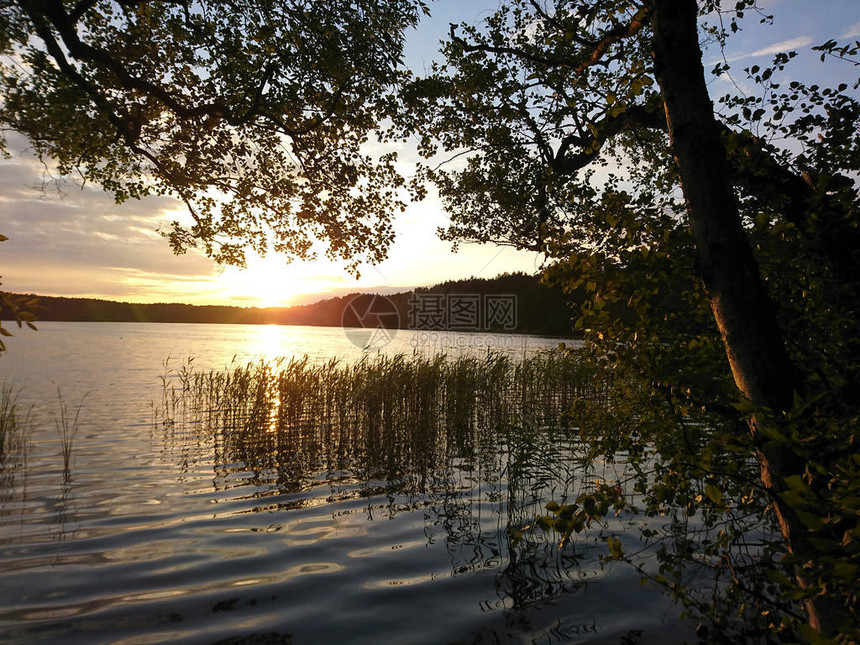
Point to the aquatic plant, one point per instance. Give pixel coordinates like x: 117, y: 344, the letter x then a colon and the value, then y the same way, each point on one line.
x: 467, y: 439
x: 270, y: 405
x: 67, y: 425
x: 399, y: 420
x: 16, y: 423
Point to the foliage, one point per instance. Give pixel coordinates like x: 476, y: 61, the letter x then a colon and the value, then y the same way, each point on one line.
x: 523, y: 122
x: 256, y: 115
x: 556, y: 139
x: 19, y: 308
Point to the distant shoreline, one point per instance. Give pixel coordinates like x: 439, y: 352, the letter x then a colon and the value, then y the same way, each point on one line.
x: 534, y: 309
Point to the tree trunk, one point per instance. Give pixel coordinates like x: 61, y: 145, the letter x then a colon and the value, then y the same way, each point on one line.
x: 744, y: 314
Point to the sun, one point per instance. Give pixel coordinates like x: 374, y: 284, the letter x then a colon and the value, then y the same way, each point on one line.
x: 264, y: 282
x: 273, y: 281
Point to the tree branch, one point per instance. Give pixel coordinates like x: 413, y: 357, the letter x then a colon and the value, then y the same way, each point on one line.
x: 595, y: 50
x: 81, y: 7
x: 614, y: 35
x: 56, y: 13
x: 633, y: 118
x: 794, y: 198
x: 752, y: 169
x: 555, y: 23
x: 511, y: 51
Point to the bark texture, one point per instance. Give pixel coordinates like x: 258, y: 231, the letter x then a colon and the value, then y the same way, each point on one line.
x: 744, y: 314
x: 746, y: 319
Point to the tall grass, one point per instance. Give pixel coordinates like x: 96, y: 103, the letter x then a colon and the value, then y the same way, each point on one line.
x: 15, y: 426
x: 379, y: 417
x: 67, y: 424
x: 455, y: 437
x: 458, y: 437
x: 15, y: 422
x: 384, y: 390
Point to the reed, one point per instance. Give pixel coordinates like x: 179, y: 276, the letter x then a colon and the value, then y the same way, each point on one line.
x: 455, y: 437
x: 67, y: 424
x: 383, y: 390
x: 15, y: 423
x: 378, y: 417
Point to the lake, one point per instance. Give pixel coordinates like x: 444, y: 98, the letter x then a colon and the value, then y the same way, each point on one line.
x: 171, y: 525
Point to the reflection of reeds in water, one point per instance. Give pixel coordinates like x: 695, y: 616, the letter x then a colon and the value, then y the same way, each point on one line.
x: 458, y: 437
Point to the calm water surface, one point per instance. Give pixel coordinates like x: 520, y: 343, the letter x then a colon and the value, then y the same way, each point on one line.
x: 171, y: 533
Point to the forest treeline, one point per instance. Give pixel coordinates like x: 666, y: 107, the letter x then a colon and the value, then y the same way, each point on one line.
x: 538, y: 308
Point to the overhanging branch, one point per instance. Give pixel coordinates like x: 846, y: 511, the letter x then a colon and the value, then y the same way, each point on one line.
x: 633, y: 118
x: 591, y: 55
x: 47, y: 14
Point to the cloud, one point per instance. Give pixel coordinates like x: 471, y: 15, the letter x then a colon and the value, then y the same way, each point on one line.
x: 782, y: 46
x: 853, y: 31
x: 68, y: 240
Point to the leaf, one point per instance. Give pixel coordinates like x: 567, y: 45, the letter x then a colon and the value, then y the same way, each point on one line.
x: 714, y: 493
x: 778, y: 577
x: 811, y: 520
x: 847, y: 571
x: 814, y: 637
x: 799, y: 486
x: 615, y: 548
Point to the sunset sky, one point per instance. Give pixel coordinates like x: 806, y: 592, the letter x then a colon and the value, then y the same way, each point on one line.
x: 80, y: 243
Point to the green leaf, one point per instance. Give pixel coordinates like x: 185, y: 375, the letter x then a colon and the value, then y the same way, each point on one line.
x: 814, y: 637
x: 615, y: 548
x: 811, y: 520
x: 714, y: 493
x: 778, y: 577
x: 847, y: 571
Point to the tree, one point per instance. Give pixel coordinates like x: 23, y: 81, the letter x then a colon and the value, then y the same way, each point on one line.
x: 575, y: 124
x: 256, y: 115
